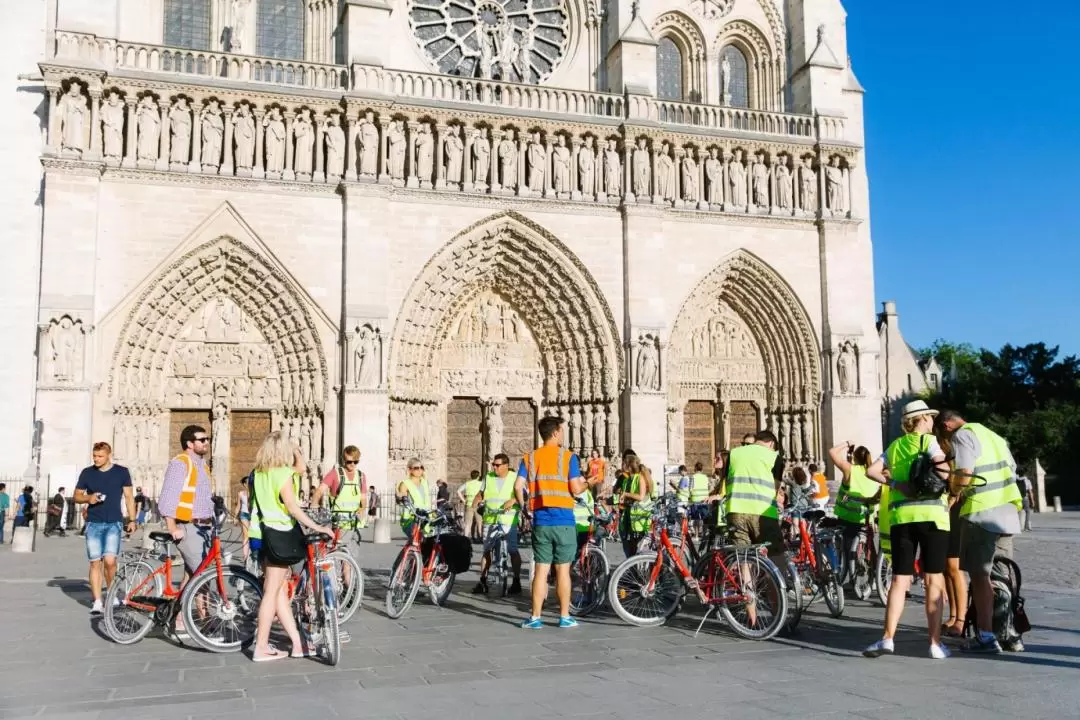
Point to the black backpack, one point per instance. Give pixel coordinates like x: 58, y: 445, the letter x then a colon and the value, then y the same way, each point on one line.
x: 1010, y: 618
x: 923, y: 479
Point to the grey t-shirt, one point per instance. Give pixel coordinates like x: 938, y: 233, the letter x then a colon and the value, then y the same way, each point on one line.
x: 1002, y: 519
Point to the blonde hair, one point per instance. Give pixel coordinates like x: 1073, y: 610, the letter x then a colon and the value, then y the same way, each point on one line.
x: 911, y: 423
x: 277, y: 450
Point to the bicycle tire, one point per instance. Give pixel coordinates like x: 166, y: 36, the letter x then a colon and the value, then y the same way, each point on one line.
x: 406, y: 578
x: 327, y: 615
x: 829, y: 583
x: 441, y: 584
x: 883, y: 577
x: 797, y: 600
x: 668, y: 580
x: 592, y: 579
x: 116, y: 608
x: 861, y: 579
x: 239, y: 617
x: 349, y: 597
x: 771, y: 574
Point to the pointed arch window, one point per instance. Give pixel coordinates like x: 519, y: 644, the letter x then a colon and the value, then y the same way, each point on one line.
x: 279, y: 31
x: 187, y: 24
x: 735, y: 77
x: 669, y: 70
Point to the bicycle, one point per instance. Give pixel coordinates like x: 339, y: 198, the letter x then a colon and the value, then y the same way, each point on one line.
x: 313, y: 594
x: 410, y: 571
x: 864, y: 560
x: 590, y: 569
x: 499, y: 569
x: 143, y: 595
x: 808, y: 543
x: 741, y: 582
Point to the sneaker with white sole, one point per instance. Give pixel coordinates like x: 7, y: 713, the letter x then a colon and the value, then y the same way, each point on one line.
x: 96, y: 610
x: 885, y: 646
x: 939, y: 651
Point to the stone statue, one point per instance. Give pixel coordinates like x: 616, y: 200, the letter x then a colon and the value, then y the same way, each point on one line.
x: 689, y: 178
x: 304, y: 135
x: 641, y: 169
x: 648, y: 364
x: 494, y: 422
x: 453, y: 148
x: 149, y: 125
x: 674, y: 433
x: 487, y: 54
x: 213, y: 129
x: 366, y: 358
x: 396, y: 138
x: 481, y: 151
x: 598, y: 428
x: 612, y: 170
x: 239, y: 24
x: 714, y: 172
x: 65, y: 344
x: 759, y: 180
x: 180, y: 128
x: 737, y: 180
x: 845, y: 369
x: 725, y: 80
x: 537, y: 155
x: 665, y: 174
x: 561, y: 165
x: 425, y: 153
x: 73, y: 112
x: 783, y: 183
x: 244, y: 135
x: 508, y: 53
x: 112, y: 116
x: 335, y: 146
x: 508, y: 160
x: 275, y: 141
x: 808, y: 183
x: 368, y: 139
x: 587, y: 167
x: 834, y: 184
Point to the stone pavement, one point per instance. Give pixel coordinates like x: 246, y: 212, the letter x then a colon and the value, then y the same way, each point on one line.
x: 470, y: 659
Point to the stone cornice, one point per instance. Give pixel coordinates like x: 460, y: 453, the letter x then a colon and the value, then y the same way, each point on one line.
x: 221, y: 182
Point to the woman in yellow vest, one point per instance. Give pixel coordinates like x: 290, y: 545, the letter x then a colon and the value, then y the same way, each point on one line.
x: 856, y: 497
x: 416, y: 488
x: 636, y: 504
x: 278, y: 465
x: 917, y: 525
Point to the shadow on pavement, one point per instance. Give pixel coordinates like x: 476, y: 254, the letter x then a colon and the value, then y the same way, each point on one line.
x: 78, y: 589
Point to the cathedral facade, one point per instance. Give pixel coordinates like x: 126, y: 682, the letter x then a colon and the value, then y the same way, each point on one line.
x: 416, y: 226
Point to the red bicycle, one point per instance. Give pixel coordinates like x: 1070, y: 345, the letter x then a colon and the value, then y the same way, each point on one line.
x: 811, y: 545
x: 411, y: 570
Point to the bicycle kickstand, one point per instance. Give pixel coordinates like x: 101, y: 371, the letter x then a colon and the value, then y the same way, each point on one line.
x: 703, y: 619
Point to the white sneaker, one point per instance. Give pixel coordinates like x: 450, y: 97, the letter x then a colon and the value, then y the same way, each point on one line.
x: 885, y: 646
x: 939, y: 651
x: 97, y: 609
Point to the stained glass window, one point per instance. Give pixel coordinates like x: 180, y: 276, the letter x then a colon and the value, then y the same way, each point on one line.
x: 279, y: 31
x: 737, y: 80
x: 187, y: 24
x: 669, y: 70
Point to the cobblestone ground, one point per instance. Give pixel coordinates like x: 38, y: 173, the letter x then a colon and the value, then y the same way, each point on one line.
x: 470, y: 660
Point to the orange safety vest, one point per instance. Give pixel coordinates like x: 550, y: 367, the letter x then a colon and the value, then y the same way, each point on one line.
x: 822, y: 492
x: 186, y: 506
x: 597, y: 467
x: 549, y: 479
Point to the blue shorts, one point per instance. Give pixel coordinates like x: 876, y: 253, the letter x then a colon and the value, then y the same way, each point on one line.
x: 511, y: 538
x: 245, y: 516
x: 102, y: 539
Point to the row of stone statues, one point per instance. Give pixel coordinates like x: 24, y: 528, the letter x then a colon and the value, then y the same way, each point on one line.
x: 209, y: 137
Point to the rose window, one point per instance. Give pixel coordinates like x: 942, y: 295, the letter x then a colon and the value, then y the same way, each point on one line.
x: 510, y: 40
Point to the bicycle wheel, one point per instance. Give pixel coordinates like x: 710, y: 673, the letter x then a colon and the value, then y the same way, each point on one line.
x: 442, y: 580
x: 861, y: 582
x: 135, y: 581
x: 796, y: 599
x: 588, y: 581
x: 764, y: 612
x: 328, y: 638
x: 883, y: 577
x: 221, y: 623
x: 636, y: 600
x: 348, y: 584
x: 404, y: 583
x: 828, y: 581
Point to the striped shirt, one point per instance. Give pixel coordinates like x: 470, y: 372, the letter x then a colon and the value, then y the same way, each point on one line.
x: 176, y: 475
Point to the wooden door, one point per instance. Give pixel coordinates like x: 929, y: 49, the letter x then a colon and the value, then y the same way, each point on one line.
x: 464, y: 448
x: 249, y: 429
x: 699, y: 433
x: 743, y: 419
x: 519, y: 430
x: 180, y: 419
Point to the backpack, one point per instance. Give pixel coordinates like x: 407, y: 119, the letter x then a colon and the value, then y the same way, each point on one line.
x: 923, y: 479
x: 1010, y: 618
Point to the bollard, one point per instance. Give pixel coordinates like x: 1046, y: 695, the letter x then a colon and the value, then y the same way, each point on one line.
x: 1057, y: 503
x: 22, y: 539
x: 382, y: 531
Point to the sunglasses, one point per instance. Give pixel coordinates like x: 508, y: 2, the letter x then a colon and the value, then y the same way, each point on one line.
x: 351, y: 462
x: 417, y: 467
x: 202, y: 439
x: 497, y: 464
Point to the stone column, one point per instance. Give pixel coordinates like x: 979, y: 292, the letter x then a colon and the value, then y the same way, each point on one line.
x: 195, y: 165
x: 227, y: 164
x: 575, y: 150
x: 95, y: 124
x: 466, y: 161
x: 163, y: 138
x: 521, y: 151
x: 350, y: 147
x: 549, y: 187
x: 440, y: 169
x: 288, y: 173
x: 628, y: 173
x: 655, y: 178
x: 320, y: 150
x: 493, y: 162
x: 849, y: 210
x: 819, y: 211
x: 703, y: 199
x: 384, y: 152
x: 493, y: 424
x: 54, y: 121
x: 257, y: 171
x: 724, y: 185
x: 411, y: 179
x: 679, y: 153
x: 129, y: 152
x: 220, y: 432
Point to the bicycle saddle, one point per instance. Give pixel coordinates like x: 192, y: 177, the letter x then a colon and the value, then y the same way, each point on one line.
x: 158, y: 536
x: 317, y: 537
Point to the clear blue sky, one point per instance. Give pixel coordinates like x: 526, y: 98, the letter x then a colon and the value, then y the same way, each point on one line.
x: 973, y: 150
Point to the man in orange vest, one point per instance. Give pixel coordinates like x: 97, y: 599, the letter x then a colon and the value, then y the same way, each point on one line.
x: 553, y: 476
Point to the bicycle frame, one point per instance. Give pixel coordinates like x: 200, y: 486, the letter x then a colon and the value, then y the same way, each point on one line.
x: 165, y: 570
x: 669, y: 549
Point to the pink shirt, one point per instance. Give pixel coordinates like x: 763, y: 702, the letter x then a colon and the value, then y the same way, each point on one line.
x: 330, y: 480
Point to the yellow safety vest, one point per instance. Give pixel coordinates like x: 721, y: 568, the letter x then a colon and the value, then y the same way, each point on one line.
x: 582, y: 513
x: 904, y: 509
x: 884, y: 539
x: 850, y: 505
x: 699, y: 487
x: 993, y: 467
x: 272, y: 511
x: 496, y: 493
x: 471, y: 489
x: 421, y: 498
x: 641, y: 510
x: 751, y: 488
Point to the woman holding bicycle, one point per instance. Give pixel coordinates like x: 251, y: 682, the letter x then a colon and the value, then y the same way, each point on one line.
x: 857, y: 496
x: 278, y: 465
x: 636, y: 504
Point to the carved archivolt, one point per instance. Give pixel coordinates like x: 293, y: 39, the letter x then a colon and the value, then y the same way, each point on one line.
x: 200, y: 288
x: 536, y: 276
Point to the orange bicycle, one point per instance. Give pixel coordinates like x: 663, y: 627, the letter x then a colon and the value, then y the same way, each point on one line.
x: 426, y: 562
x: 219, y: 604
x: 811, y: 545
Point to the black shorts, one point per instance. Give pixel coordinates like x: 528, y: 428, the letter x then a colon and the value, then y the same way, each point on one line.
x: 954, y: 531
x: 931, y: 544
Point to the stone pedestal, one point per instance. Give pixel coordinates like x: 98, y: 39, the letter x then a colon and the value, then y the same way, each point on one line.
x: 22, y: 539
x: 383, y: 528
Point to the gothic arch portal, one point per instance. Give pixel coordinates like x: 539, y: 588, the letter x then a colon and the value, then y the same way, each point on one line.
x: 742, y: 337
x: 543, y: 332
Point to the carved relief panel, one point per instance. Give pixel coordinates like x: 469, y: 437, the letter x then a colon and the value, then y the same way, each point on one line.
x: 719, y: 349
x: 364, y: 361
x: 62, y: 345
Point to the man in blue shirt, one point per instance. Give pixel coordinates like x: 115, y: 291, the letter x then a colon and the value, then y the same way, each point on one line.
x: 5, y: 504
x: 101, y: 486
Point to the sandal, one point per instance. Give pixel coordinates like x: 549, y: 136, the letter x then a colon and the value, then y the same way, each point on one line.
x: 305, y: 653
x: 953, y: 631
x: 274, y: 654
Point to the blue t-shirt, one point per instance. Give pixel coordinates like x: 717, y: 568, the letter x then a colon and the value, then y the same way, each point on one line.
x: 554, y: 517
x: 111, y: 484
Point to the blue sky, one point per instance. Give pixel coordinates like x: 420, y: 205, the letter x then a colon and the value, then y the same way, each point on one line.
x: 973, y: 150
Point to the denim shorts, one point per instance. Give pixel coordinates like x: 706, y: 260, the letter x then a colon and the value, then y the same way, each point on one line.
x: 102, y: 539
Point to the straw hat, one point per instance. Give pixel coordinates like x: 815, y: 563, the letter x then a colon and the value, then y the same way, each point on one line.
x: 915, y: 408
